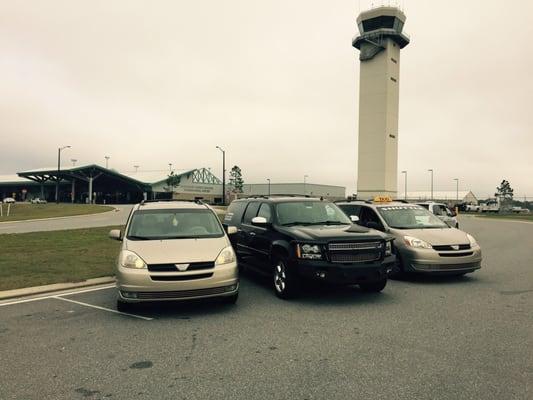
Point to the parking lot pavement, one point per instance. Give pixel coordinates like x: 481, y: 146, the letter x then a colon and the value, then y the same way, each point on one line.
x: 422, y: 338
x: 116, y: 217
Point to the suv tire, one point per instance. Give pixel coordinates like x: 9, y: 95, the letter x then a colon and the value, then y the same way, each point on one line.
x: 373, y: 287
x: 286, y: 285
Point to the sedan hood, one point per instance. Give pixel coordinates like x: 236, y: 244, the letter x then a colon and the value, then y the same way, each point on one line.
x: 177, y: 250
x: 328, y: 233
x: 436, y: 237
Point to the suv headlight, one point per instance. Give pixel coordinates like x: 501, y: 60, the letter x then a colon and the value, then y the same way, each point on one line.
x: 472, y: 239
x: 309, y: 251
x: 388, y: 248
x: 416, y: 243
x: 226, y: 256
x: 128, y: 259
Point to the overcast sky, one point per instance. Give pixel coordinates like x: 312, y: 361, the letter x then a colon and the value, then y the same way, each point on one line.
x: 273, y: 82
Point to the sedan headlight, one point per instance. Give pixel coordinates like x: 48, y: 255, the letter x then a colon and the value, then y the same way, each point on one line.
x: 309, y: 251
x: 226, y: 256
x: 416, y: 243
x: 128, y: 259
x: 472, y: 239
x: 388, y: 248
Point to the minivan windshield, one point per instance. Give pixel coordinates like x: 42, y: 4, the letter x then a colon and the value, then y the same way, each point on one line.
x: 310, y: 213
x: 173, y: 224
x: 410, y: 217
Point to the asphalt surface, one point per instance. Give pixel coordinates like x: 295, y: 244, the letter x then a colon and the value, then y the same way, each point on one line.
x: 422, y: 338
x: 116, y: 217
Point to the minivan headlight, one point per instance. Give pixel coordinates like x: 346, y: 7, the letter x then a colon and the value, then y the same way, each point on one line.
x: 416, y: 243
x: 226, y: 256
x: 472, y: 239
x: 128, y: 259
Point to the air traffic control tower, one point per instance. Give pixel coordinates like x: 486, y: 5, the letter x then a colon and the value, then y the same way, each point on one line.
x: 379, y: 43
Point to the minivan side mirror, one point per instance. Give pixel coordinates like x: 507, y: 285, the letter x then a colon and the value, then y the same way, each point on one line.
x: 232, y: 230
x: 115, y: 234
x: 260, y: 221
x: 354, y: 218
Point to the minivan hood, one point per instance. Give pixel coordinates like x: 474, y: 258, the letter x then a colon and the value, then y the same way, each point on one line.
x: 177, y: 250
x: 439, y: 236
x: 331, y: 232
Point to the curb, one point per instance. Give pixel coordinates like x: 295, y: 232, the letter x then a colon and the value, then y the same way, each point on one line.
x: 53, y: 218
x: 35, y: 290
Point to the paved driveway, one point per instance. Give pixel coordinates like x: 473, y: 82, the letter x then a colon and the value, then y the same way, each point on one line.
x: 117, y: 217
x: 422, y: 338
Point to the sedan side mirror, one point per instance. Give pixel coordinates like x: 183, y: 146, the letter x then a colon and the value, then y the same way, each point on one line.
x: 354, y: 218
x: 115, y: 234
x: 232, y: 230
x: 259, y: 221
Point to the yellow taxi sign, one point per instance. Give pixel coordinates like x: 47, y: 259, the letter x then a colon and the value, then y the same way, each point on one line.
x: 382, y: 199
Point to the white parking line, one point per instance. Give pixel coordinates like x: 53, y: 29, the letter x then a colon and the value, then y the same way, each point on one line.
x: 102, y: 308
x: 50, y: 296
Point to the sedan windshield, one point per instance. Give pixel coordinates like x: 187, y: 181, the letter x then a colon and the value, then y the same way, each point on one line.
x: 409, y: 217
x: 173, y: 224
x: 310, y: 213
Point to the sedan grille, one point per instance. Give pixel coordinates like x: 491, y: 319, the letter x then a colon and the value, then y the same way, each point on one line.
x: 451, y: 247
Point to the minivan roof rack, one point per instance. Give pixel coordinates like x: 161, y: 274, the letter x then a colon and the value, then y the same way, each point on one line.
x: 196, y: 201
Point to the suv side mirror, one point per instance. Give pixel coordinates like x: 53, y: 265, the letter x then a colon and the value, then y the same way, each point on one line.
x: 259, y: 221
x: 115, y: 234
x: 232, y: 230
x: 354, y: 218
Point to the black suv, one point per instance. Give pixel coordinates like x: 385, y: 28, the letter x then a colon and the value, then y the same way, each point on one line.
x: 291, y: 238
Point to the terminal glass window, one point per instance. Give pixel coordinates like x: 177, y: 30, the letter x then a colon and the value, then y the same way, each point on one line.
x: 384, y: 21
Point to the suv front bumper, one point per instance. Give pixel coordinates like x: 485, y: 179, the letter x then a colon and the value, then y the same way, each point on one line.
x: 349, y: 274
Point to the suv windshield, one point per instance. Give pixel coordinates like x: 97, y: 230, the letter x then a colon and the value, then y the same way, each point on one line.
x: 409, y: 217
x: 173, y: 224
x: 310, y: 213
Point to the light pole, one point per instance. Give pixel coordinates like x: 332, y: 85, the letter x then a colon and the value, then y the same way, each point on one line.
x: 431, y: 170
x: 73, y: 161
x: 305, y: 184
x: 170, y: 167
x: 223, y: 175
x: 456, y: 189
x: 268, y: 179
x: 136, y: 167
x: 107, y: 162
x: 59, y: 149
x: 405, y: 189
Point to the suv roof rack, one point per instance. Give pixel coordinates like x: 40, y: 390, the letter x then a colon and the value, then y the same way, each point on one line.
x: 170, y: 200
x: 265, y: 196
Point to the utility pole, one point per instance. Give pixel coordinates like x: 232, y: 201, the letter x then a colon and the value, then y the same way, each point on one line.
x: 431, y: 170
x: 268, y: 179
x: 405, y: 189
x: 223, y: 175
x: 59, y: 170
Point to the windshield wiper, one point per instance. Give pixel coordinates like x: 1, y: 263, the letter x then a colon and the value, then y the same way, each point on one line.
x: 297, y: 223
x: 139, y: 237
x: 331, y: 223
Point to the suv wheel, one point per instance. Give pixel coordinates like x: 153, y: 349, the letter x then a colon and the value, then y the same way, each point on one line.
x: 373, y: 287
x: 285, y: 283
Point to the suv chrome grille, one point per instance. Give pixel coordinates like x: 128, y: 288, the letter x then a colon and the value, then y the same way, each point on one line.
x: 355, y: 257
x: 354, y: 246
x: 355, y: 252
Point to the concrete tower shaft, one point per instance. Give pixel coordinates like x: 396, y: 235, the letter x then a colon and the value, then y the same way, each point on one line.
x: 379, y: 43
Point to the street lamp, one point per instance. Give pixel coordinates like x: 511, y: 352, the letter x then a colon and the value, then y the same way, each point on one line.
x: 59, y: 149
x: 457, y: 189
x: 107, y: 161
x: 73, y: 161
x: 268, y: 179
x: 136, y: 167
x: 170, y: 167
x: 430, y: 170
x: 223, y: 175
x: 405, y: 189
x: 305, y: 184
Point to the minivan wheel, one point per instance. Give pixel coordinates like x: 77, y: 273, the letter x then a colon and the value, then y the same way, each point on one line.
x: 285, y: 283
x: 373, y: 287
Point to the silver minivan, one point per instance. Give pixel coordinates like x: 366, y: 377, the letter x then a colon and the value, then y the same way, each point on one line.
x: 174, y: 250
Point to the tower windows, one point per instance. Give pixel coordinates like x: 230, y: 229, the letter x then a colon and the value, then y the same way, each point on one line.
x: 393, y: 79
x: 394, y: 60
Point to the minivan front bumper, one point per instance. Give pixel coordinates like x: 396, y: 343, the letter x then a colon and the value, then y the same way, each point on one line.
x: 430, y: 261
x: 136, y: 285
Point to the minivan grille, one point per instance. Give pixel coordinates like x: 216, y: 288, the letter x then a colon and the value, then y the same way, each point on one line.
x: 170, y: 278
x: 182, y: 294
x: 195, y: 266
x: 450, y: 248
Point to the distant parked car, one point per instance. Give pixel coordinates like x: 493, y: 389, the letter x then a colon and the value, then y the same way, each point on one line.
x: 520, y: 210
x: 473, y: 208
x: 9, y: 200
x: 38, y: 200
x: 442, y: 212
